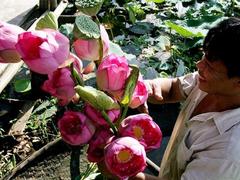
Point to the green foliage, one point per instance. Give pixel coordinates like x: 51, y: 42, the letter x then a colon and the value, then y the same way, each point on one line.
x: 87, y: 3
x: 115, y: 49
x: 167, y: 39
x: 22, y: 85
x: 141, y: 28
x: 7, y: 163
x: 156, y: 1
x: 41, y: 122
x: 67, y: 30
x: 48, y: 21
x: 89, y: 7
x: 184, y: 32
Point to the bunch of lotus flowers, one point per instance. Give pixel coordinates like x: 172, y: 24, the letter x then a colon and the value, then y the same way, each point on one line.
x: 115, y: 141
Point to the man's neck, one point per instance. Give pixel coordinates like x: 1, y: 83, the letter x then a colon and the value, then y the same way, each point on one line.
x: 216, y: 103
x: 222, y: 103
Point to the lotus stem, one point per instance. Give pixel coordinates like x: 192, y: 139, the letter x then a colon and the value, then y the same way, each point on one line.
x: 76, y: 77
x: 75, y: 163
x: 113, y: 127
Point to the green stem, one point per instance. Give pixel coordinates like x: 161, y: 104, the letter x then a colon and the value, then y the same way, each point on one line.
x: 124, y: 113
x: 100, y: 50
x: 75, y: 162
x: 113, y: 127
x: 76, y: 77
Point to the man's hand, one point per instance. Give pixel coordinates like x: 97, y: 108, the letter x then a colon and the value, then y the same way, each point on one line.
x: 154, y: 94
x: 154, y: 90
x: 162, y: 90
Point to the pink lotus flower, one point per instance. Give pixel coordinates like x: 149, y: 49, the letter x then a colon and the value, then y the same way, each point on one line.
x: 8, y: 39
x: 75, y: 128
x: 72, y: 58
x: 140, y: 94
x: 43, y: 51
x: 142, y: 128
x: 101, y: 138
x: 60, y: 84
x: 112, y: 73
x: 97, y: 117
x: 125, y: 157
x: 88, y: 49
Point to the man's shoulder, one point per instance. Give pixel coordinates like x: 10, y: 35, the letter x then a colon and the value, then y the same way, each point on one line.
x: 233, y: 148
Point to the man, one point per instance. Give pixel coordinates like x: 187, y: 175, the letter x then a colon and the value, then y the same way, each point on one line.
x: 205, y: 143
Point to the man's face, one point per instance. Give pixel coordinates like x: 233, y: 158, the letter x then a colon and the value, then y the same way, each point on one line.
x: 213, y: 78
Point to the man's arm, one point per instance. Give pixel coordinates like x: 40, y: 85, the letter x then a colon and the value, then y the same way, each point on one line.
x: 164, y: 90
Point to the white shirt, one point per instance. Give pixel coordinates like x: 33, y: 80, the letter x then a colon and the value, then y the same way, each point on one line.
x: 207, y: 147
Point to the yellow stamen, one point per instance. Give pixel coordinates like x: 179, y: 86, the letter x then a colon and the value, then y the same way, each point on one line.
x: 138, y: 132
x: 124, y: 156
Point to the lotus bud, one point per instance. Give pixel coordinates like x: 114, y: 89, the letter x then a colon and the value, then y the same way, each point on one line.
x: 97, y: 99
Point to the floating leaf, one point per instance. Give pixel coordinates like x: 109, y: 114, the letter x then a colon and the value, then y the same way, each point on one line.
x: 22, y: 85
x: 115, y: 49
x: 132, y: 49
x: 182, y: 30
x: 150, y: 73
x: 180, y: 69
x: 156, y: 1
x: 141, y: 28
x: 164, y: 43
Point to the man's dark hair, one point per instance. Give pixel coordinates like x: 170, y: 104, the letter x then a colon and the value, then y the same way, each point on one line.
x: 223, y: 43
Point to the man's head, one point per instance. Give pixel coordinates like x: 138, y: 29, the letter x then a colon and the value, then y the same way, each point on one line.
x: 219, y: 68
x: 223, y: 43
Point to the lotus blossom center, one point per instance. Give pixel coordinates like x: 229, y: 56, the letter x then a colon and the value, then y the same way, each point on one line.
x: 138, y: 132
x: 124, y: 156
x: 74, y: 127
